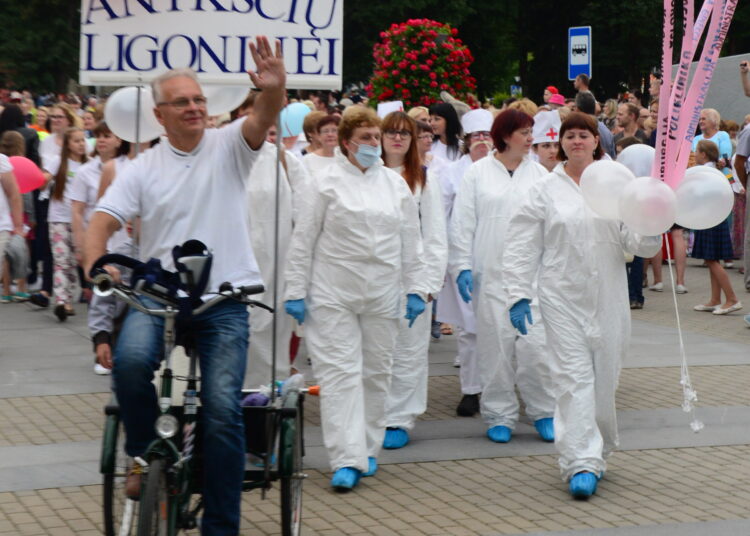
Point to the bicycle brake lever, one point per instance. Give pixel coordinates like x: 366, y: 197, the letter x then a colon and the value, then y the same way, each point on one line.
x: 253, y: 303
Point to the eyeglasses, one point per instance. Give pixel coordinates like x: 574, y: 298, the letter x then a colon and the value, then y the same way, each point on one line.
x: 480, y: 135
x: 56, y: 116
x: 329, y: 131
x: 405, y: 134
x: 425, y: 137
x: 181, y: 104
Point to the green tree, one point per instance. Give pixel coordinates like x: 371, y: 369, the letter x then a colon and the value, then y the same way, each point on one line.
x: 39, y: 43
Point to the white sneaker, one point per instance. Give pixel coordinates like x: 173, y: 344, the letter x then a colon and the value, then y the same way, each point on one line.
x: 100, y: 370
x: 657, y: 287
x: 681, y: 289
x: 457, y: 362
x: 747, y: 320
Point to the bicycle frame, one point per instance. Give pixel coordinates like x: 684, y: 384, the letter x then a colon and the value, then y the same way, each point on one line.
x: 180, y: 462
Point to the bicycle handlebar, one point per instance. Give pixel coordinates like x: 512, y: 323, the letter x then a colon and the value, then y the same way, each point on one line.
x: 105, y: 285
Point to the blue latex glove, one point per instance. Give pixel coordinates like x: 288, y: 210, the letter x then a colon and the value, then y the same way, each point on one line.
x: 519, y: 313
x: 296, y: 309
x: 465, y: 284
x: 414, y: 307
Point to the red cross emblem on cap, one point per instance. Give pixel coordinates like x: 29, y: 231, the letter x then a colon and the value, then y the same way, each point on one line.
x: 552, y: 134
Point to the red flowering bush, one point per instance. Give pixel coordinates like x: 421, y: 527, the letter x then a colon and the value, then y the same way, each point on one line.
x: 416, y: 60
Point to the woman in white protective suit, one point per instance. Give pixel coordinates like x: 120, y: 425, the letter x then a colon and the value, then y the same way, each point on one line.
x: 354, y: 263
x: 554, y: 240
x: 452, y: 309
x: 488, y: 195
x: 261, y: 198
x: 407, y: 396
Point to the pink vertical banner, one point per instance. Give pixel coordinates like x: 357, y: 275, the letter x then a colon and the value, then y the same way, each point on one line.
x: 659, y: 167
x: 721, y: 18
x: 679, y: 88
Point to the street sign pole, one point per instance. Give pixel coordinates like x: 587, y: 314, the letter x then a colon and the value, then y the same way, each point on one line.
x: 579, y: 51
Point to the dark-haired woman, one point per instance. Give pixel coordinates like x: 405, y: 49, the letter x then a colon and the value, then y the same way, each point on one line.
x: 487, y: 196
x: 447, y: 131
x: 407, y: 395
x: 59, y: 218
x: 559, y: 249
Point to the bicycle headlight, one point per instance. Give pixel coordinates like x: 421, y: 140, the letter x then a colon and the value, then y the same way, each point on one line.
x: 166, y: 426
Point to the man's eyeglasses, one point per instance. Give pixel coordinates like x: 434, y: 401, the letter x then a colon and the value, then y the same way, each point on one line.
x: 181, y: 104
x: 405, y: 134
x: 479, y: 135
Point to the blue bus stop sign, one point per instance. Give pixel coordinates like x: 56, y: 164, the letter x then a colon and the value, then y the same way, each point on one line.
x: 579, y: 51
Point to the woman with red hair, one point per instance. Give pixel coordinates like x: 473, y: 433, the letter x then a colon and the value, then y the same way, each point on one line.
x: 489, y: 192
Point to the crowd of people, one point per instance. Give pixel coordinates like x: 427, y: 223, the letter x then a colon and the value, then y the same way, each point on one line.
x: 382, y: 233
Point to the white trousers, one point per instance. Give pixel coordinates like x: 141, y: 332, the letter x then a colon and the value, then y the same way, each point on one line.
x: 407, y: 396
x: 351, y: 356
x: 467, y: 356
x: 584, y: 379
x: 259, y: 354
x: 508, y: 359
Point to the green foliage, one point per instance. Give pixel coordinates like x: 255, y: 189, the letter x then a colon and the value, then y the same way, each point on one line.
x: 39, y: 43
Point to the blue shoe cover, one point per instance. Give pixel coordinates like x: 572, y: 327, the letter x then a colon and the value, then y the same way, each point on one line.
x: 546, y: 428
x: 345, y: 478
x: 499, y: 434
x: 583, y: 485
x: 395, y: 438
x: 372, y: 466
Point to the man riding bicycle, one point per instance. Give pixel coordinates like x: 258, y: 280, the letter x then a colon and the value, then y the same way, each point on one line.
x: 192, y: 186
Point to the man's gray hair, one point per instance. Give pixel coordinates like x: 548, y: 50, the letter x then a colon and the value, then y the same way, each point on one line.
x: 172, y: 73
x: 586, y: 103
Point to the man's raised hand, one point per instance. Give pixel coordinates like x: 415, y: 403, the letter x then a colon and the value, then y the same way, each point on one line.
x: 270, y: 72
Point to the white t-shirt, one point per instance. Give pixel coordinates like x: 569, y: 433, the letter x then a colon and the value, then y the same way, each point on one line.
x: 198, y: 195
x: 315, y: 163
x: 59, y: 209
x: 85, y: 187
x: 6, y: 222
x: 49, y: 150
x: 441, y: 150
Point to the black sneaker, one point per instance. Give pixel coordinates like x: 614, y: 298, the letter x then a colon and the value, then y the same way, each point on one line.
x: 61, y: 313
x: 39, y: 299
x: 469, y: 406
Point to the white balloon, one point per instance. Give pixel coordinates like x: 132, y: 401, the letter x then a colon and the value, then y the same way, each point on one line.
x: 648, y: 206
x: 601, y: 185
x: 120, y: 114
x: 224, y: 99
x: 704, y: 198
x: 637, y: 158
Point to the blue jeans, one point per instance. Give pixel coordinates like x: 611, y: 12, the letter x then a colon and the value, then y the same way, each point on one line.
x: 635, y: 279
x: 221, y: 336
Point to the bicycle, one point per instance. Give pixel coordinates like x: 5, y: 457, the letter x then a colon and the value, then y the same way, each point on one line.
x: 170, y: 487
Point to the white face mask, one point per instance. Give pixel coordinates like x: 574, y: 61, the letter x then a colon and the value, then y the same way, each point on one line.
x: 367, y: 155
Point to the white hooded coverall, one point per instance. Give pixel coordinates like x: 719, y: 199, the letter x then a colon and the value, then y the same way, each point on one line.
x: 451, y: 308
x: 407, y: 396
x: 578, y: 260
x: 486, y: 199
x: 261, y: 197
x: 356, y: 240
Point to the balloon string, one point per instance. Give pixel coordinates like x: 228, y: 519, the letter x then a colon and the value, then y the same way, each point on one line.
x: 689, y: 396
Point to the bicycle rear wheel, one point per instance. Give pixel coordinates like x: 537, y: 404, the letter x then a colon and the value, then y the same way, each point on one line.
x: 290, y: 469
x: 155, y: 514
x: 120, y: 513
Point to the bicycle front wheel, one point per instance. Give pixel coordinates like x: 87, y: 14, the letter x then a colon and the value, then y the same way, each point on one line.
x: 155, y: 514
x: 120, y: 513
